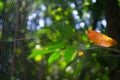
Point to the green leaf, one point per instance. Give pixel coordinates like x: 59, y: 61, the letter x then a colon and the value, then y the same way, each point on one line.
x: 43, y: 31
x: 1, y: 6
x: 36, y: 52
x: 65, y: 30
x: 77, y: 69
x: 56, y: 45
x: 69, y: 54
x: 50, y: 48
x: 53, y: 57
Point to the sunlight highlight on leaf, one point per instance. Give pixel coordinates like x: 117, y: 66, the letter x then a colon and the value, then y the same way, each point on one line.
x: 59, y: 9
x: 1, y: 5
x: 100, y: 39
x: 38, y: 58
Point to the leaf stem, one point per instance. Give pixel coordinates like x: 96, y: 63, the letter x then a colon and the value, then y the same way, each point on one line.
x: 107, y: 48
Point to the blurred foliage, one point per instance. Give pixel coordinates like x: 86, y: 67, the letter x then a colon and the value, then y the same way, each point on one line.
x: 55, y: 34
x: 63, y: 41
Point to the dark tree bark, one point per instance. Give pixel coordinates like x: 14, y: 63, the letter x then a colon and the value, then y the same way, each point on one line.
x: 113, y: 30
